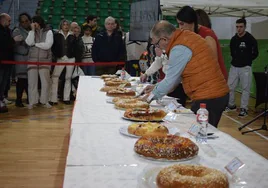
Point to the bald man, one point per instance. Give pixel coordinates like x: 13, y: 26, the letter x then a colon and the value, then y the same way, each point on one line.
x: 73, y: 25
x: 191, y: 62
x: 6, y: 53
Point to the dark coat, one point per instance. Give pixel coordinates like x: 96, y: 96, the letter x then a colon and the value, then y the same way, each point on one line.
x: 107, y: 48
x: 6, y: 45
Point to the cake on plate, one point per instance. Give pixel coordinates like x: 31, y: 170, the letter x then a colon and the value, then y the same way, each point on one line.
x: 131, y: 103
x: 107, y: 88
x: 190, y: 176
x: 145, y: 114
x: 170, y: 147
x: 118, y: 83
x: 140, y: 129
x: 120, y: 92
x: 108, y: 76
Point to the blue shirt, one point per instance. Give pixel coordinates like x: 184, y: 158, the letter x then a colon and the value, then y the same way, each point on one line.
x: 179, y: 57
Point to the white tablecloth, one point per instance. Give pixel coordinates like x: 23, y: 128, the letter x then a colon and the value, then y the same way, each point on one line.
x: 99, y: 156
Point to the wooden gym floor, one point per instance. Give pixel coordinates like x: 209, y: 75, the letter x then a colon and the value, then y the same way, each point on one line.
x: 34, y: 143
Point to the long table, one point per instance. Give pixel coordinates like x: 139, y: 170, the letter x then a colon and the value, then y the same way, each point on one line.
x: 99, y: 156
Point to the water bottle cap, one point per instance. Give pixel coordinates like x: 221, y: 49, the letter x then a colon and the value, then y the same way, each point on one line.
x: 203, y: 105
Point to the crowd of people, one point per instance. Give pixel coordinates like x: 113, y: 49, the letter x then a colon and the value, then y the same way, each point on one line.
x: 184, y: 62
x: 36, y: 42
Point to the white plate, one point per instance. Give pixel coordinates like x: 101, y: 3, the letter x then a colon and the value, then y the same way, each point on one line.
x: 166, y: 100
x: 123, y: 130
x: 110, y: 100
x: 147, y: 179
x: 167, y: 160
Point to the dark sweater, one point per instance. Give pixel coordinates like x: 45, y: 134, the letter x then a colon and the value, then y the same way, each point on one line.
x: 107, y: 48
x: 243, y: 50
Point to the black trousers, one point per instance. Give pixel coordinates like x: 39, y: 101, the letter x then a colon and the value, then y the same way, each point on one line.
x: 21, y: 86
x: 215, y: 108
x: 180, y: 94
x: 5, y: 71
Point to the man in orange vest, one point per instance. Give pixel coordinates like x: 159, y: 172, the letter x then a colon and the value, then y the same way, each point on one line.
x: 191, y: 62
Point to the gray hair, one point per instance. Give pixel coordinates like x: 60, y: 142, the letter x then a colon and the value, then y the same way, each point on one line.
x: 110, y: 18
x: 162, y: 28
x: 62, y: 22
x: 3, y: 16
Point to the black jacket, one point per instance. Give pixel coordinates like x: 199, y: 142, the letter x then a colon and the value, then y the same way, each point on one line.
x: 79, y: 50
x: 6, y: 45
x: 107, y: 48
x: 243, y: 50
x: 71, y: 44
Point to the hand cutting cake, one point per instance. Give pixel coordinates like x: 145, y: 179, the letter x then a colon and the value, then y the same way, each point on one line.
x: 169, y: 147
x: 120, y: 92
x: 191, y: 176
x: 131, y: 103
x: 140, y: 129
x: 145, y: 114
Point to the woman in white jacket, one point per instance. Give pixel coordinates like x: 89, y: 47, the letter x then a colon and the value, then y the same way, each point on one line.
x: 40, y: 40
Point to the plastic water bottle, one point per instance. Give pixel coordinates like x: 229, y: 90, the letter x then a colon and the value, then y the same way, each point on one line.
x: 202, y: 120
x: 123, y: 74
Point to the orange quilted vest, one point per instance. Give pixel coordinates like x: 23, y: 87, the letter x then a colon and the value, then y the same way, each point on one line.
x: 202, y: 77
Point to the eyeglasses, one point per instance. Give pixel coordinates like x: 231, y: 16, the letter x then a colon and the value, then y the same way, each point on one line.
x: 157, y: 44
x: 180, y: 23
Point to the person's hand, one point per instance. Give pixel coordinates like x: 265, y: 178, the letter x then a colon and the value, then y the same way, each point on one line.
x: 149, y: 89
x: 144, y: 97
x: 158, y: 52
x: 143, y: 78
x: 33, y: 26
x: 18, y: 38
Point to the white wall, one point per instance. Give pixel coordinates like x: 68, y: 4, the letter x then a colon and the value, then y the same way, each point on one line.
x: 224, y: 27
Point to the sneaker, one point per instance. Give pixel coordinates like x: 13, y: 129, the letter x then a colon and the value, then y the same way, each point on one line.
x: 53, y: 103
x: 3, y: 107
x: 230, y: 108
x: 30, y: 106
x: 243, y: 112
x: 20, y: 105
x: 67, y: 102
x: 7, y: 101
x: 47, y: 105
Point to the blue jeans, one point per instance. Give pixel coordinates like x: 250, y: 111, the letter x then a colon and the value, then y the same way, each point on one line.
x: 89, y: 70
